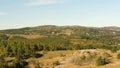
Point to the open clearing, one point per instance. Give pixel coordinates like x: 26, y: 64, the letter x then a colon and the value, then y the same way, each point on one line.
x: 65, y: 59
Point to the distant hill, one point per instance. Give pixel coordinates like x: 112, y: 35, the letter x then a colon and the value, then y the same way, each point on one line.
x: 56, y: 30
x: 112, y: 32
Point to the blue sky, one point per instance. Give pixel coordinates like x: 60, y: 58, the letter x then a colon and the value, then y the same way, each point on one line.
x: 27, y: 13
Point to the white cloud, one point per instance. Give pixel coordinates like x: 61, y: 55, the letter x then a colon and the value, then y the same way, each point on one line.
x: 2, y: 13
x: 45, y: 2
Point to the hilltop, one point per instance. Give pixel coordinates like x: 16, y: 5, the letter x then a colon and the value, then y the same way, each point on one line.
x: 52, y: 30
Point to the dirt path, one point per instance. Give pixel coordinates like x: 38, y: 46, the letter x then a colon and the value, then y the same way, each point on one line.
x: 65, y: 62
x: 75, y: 54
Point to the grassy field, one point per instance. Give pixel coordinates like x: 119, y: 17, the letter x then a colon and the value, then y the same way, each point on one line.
x: 64, y: 59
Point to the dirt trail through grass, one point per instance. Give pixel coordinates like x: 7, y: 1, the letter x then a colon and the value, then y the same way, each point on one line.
x: 75, y: 54
x: 65, y: 62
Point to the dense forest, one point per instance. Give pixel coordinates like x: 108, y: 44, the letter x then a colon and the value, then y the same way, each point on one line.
x: 19, y: 43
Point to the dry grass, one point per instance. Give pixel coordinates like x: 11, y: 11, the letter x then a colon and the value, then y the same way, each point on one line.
x: 52, y: 56
x: 32, y: 36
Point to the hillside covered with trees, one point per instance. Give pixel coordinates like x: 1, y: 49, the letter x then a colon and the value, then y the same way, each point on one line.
x: 26, y: 42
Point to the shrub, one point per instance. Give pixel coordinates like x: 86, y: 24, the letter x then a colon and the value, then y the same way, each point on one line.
x: 4, y: 37
x: 19, y: 64
x: 100, y: 61
x: 37, y: 55
x: 114, y: 49
x: 56, y: 63
x: 104, y: 59
x: 118, y: 56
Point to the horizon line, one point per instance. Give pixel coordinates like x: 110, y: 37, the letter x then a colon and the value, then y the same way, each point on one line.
x: 58, y: 26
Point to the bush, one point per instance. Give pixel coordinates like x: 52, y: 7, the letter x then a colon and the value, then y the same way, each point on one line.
x: 118, y: 56
x: 56, y: 63
x: 100, y: 61
x: 19, y: 64
x: 114, y: 49
x: 37, y: 55
x: 4, y: 37
x: 104, y: 59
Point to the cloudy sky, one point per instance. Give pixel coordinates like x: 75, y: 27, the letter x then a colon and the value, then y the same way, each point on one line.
x: 23, y: 13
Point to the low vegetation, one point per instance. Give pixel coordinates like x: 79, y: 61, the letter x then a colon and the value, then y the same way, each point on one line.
x: 118, y: 56
x: 104, y: 59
